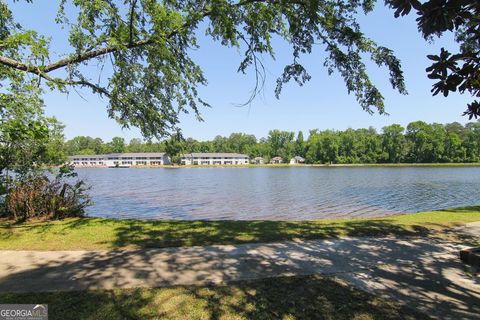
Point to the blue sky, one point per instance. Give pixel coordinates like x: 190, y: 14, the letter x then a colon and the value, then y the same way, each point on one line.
x: 322, y: 103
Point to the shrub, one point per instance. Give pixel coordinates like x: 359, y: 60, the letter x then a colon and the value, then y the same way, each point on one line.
x: 41, y: 197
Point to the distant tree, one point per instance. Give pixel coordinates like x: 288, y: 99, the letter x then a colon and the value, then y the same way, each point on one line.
x: 241, y: 142
x: 260, y: 149
x: 369, y: 146
x: 457, y: 128
x: 455, y: 142
x: 151, y: 146
x: 322, y: 147
x: 420, y: 135
x: 76, y: 144
x: 136, y: 145
x: 215, y: 146
x: 281, y: 144
x: 98, y: 146
x: 472, y: 141
x: 454, y: 150
x: 117, y: 145
x: 300, y: 145
x: 174, y: 147
x: 191, y: 145
x: 219, y: 144
x: 393, y: 143
x: 329, y: 146
x: 438, y: 141
x: 85, y: 151
x: 82, y: 144
x: 311, y: 149
x: 349, y: 146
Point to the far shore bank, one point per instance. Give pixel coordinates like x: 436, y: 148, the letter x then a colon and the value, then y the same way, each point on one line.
x: 283, y: 165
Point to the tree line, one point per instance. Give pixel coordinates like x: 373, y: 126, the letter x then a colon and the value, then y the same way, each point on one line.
x: 419, y: 142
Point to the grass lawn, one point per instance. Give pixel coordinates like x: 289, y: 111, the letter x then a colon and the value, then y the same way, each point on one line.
x: 98, y: 234
x: 304, y: 297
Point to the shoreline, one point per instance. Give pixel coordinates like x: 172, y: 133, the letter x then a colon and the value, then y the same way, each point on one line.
x: 316, y: 165
x: 286, y: 165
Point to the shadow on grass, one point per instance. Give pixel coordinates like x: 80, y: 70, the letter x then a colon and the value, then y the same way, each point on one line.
x: 303, y: 297
x: 147, y: 234
x: 182, y: 233
x: 8, y: 228
x: 161, y: 234
x: 422, y: 272
x: 463, y: 209
x: 98, y: 233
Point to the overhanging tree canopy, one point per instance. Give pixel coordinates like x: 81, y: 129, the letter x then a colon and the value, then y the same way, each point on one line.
x: 452, y: 71
x: 148, y: 42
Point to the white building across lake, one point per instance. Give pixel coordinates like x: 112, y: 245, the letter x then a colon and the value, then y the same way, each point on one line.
x: 120, y: 159
x: 214, y: 159
x: 297, y: 160
x: 276, y: 160
x: 258, y: 160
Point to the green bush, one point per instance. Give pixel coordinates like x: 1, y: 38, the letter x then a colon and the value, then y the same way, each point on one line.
x: 42, y: 197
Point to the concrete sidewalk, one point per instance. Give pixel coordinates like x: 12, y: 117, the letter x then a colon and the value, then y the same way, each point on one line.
x: 424, y: 273
x: 472, y: 229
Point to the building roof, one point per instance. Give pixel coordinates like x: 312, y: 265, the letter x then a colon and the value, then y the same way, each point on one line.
x: 120, y: 155
x: 298, y: 158
x: 277, y: 158
x: 258, y: 158
x: 213, y: 154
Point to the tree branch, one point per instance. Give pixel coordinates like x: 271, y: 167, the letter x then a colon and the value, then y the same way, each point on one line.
x: 93, y: 54
x: 97, y: 52
x: 94, y: 87
x: 133, y: 5
x: 15, y: 64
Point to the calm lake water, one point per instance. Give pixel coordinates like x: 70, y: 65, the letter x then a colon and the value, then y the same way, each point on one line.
x: 282, y: 193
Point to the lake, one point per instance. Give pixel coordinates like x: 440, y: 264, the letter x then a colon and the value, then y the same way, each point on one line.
x: 278, y: 193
